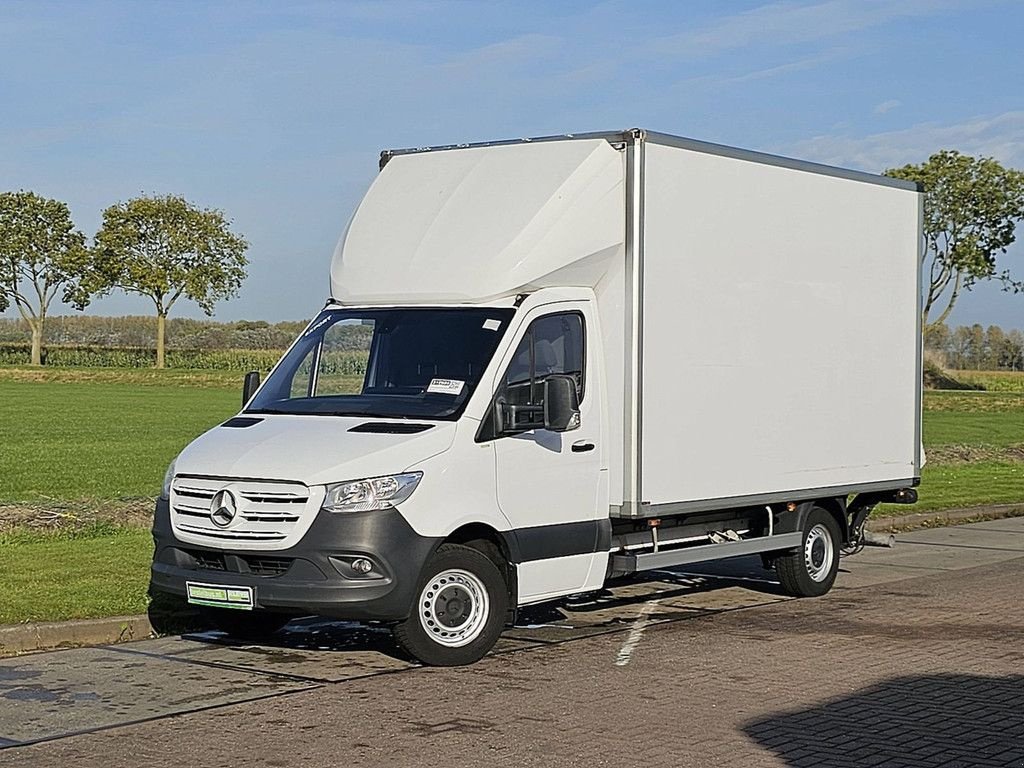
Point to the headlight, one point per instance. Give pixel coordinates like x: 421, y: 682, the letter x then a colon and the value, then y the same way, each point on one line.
x: 165, y: 491
x: 375, y: 493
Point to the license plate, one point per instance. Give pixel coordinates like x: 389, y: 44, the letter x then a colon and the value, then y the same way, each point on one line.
x: 219, y: 595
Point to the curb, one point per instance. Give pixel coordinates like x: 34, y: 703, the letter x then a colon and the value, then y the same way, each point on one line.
x: 945, y: 517
x: 42, y: 636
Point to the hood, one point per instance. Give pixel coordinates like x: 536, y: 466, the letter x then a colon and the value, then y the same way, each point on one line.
x: 314, y: 450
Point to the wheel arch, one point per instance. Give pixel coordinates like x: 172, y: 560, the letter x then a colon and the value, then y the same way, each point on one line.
x: 499, y: 546
x: 836, y: 506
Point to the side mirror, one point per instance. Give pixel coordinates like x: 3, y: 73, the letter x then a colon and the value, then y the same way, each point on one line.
x: 249, y: 386
x: 513, y: 419
x: 561, y: 403
x: 499, y: 411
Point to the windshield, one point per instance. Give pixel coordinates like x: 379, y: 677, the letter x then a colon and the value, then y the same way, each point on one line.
x: 392, y: 363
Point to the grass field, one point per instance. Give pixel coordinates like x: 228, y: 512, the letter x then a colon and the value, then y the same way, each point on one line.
x: 142, y: 377
x: 97, y: 571
x: 94, y: 436
x: 98, y: 439
x: 974, y: 442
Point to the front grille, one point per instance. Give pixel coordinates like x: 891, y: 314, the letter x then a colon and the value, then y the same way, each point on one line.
x: 267, y: 566
x: 264, y: 513
x: 208, y: 561
x: 257, y: 565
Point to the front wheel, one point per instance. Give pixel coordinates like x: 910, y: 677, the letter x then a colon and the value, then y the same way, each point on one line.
x: 460, y: 610
x: 811, y: 570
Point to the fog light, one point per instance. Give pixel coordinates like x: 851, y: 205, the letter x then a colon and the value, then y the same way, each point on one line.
x: 362, y: 565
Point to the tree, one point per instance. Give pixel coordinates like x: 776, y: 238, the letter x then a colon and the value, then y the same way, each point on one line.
x: 976, y: 344
x: 165, y: 248
x: 971, y: 208
x: 40, y: 253
x: 937, y: 338
x: 995, y: 347
x: 960, y: 347
x: 1014, y: 351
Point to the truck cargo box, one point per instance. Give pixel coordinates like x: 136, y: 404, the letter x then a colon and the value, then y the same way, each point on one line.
x: 778, y: 339
x: 760, y: 315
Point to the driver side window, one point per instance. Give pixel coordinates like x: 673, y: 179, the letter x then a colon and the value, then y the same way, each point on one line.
x: 553, y: 344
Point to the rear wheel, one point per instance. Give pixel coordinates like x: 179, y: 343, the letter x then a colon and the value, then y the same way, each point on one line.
x: 460, y: 610
x: 246, y: 625
x: 811, y: 570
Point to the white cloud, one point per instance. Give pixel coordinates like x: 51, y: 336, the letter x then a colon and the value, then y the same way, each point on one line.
x: 766, y: 73
x: 786, y: 23
x: 523, y: 51
x: 887, y: 106
x: 999, y: 136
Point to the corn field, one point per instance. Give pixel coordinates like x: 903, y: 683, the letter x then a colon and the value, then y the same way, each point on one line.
x: 348, y: 362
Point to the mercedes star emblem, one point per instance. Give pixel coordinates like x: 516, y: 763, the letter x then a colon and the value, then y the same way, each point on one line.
x: 223, y: 508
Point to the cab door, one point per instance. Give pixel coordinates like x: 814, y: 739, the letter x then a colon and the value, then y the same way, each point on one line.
x: 552, y: 485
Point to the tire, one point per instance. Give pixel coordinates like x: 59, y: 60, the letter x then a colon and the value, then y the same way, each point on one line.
x: 244, y: 625
x: 460, y: 609
x: 811, y: 570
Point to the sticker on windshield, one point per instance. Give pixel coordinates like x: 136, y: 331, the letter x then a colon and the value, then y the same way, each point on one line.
x: 446, y: 386
x: 491, y: 324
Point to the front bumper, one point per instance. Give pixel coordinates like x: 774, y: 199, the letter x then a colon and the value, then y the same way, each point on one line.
x: 312, y: 577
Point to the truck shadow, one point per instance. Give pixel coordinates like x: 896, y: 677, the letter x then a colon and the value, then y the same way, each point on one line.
x: 669, y: 584
x: 949, y: 719
x: 311, y: 634
x: 575, y: 617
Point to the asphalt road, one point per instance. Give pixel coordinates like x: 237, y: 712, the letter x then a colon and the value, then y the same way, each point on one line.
x: 915, y: 659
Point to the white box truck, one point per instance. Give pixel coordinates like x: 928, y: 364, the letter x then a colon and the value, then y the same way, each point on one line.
x: 549, y: 363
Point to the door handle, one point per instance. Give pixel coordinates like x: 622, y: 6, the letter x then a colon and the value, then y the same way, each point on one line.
x: 581, y: 446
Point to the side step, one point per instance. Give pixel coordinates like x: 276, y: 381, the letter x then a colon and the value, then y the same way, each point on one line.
x: 649, y: 560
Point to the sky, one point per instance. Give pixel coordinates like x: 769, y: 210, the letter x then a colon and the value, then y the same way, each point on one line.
x: 276, y: 113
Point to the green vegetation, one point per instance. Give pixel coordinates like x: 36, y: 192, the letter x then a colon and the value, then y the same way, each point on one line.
x: 139, y: 331
x: 972, y: 347
x: 143, y: 357
x: 974, y: 443
x: 74, y: 440
x: 135, y: 376
x: 994, y: 381
x: 91, y: 446
x: 971, y: 207
x: 97, y: 571
x: 973, y: 418
x: 40, y: 254
x: 342, y: 361
x: 162, y: 247
x: 949, y: 486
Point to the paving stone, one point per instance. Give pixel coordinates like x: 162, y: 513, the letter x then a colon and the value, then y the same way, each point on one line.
x: 925, y: 669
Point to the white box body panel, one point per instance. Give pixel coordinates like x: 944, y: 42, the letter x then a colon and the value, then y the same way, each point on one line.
x: 479, y: 224
x: 611, y: 312
x: 780, y: 329
x: 759, y: 316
